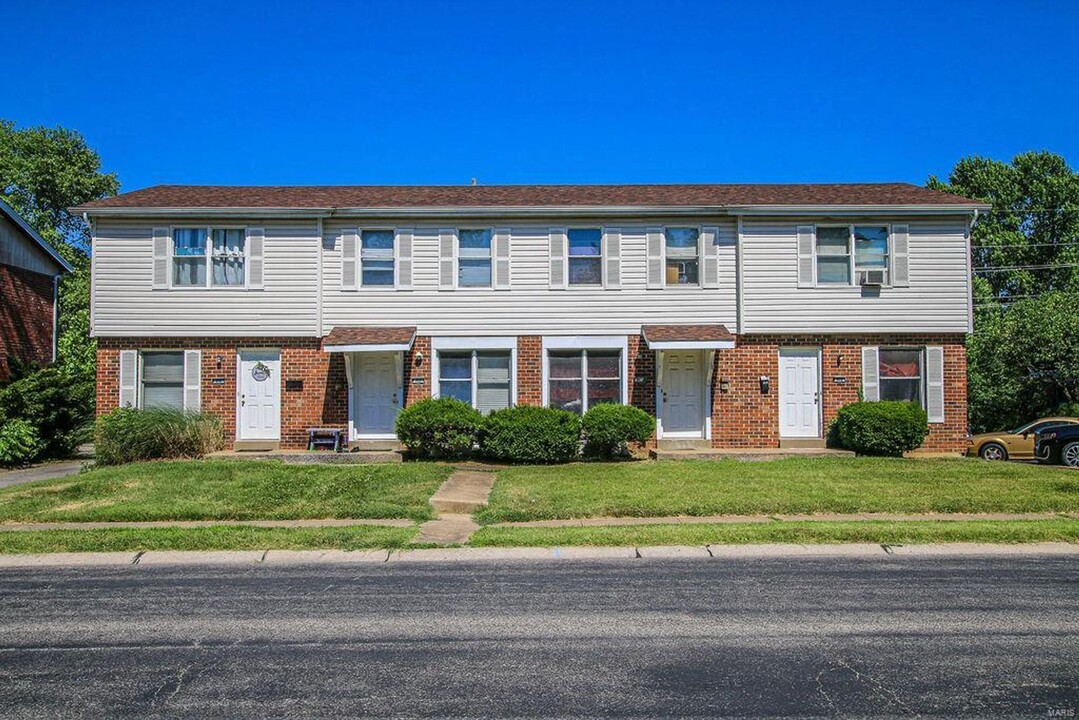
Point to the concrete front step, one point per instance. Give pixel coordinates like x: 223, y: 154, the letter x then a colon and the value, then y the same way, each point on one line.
x: 802, y: 443
x: 463, y: 492
x: 299, y: 457
x: 684, y: 444
x: 746, y: 454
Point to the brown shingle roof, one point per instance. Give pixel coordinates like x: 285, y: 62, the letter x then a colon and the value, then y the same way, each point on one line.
x: 369, y: 336
x: 509, y: 196
x: 686, y: 333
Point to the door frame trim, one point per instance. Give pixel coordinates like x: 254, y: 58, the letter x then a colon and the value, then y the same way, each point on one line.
x: 352, y: 375
x: 239, y: 391
x: 819, y: 354
x: 708, y: 357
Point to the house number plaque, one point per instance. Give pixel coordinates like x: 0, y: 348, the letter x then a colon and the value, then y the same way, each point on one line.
x: 839, y: 380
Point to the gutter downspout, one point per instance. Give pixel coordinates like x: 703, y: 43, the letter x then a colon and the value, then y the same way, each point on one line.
x: 55, y: 316
x: 93, y: 271
x: 970, y: 271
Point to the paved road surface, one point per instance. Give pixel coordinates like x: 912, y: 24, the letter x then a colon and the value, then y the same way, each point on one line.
x: 968, y: 636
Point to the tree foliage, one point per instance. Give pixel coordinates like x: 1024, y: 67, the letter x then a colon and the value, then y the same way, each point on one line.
x: 1022, y: 355
x: 43, y: 172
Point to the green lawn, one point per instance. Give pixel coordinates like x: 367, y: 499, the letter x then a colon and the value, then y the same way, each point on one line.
x: 211, y: 538
x: 801, y: 485
x: 228, y: 490
x: 870, y: 531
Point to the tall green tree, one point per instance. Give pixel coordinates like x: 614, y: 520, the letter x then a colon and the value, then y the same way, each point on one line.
x: 1025, y: 252
x: 43, y: 172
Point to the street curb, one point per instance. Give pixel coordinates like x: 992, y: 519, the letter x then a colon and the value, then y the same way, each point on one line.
x: 254, y: 558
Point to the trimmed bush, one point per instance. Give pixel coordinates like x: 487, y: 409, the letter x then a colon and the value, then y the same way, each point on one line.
x: 439, y: 428
x: 19, y: 443
x: 885, y: 428
x: 126, y: 435
x: 533, y: 435
x: 609, y: 428
x: 58, y: 404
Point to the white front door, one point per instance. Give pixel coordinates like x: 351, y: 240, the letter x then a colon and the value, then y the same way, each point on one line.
x: 799, y: 393
x: 683, y: 393
x: 260, y: 395
x: 377, y: 394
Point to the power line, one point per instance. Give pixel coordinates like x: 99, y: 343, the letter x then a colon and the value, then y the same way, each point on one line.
x: 1013, y: 268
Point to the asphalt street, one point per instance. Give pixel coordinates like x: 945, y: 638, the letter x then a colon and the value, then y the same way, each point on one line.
x: 889, y: 636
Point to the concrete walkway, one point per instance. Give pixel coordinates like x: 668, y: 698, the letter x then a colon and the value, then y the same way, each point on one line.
x: 44, y: 471
x: 463, y: 492
x: 318, y: 523
x: 822, y: 517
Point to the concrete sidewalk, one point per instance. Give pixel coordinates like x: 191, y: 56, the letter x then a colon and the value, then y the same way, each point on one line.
x: 323, y: 523
x: 253, y: 558
x: 818, y: 517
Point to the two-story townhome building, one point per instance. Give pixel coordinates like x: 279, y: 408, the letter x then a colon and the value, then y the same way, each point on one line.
x: 739, y: 315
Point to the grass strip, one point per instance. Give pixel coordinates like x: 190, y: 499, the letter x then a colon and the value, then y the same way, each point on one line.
x: 853, y: 531
x: 211, y: 538
x: 228, y: 490
x: 792, y: 486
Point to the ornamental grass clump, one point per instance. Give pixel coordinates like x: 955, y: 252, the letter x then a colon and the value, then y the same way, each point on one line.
x: 128, y: 435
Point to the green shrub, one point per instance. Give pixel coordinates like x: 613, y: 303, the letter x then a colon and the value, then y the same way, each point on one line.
x: 881, y: 428
x: 57, y: 403
x: 19, y: 443
x: 439, y: 428
x: 127, y: 435
x: 529, y: 434
x: 1069, y: 409
x: 609, y: 428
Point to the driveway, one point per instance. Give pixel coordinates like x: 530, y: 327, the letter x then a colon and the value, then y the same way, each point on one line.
x: 44, y: 471
x: 887, y: 636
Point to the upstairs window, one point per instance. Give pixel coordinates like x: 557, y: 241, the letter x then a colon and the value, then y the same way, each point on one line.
x: 585, y: 256
x: 871, y: 249
x: 376, y: 258
x: 844, y: 252
x: 833, y: 255
x: 683, y: 256
x: 203, y: 257
x: 474, y: 258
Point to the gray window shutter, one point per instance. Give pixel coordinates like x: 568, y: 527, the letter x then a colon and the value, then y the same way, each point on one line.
x: 402, y: 248
x: 129, y: 371
x: 447, y: 259
x: 559, y: 272
x: 612, y: 258
x: 161, y: 258
x: 656, y: 249
x: 192, y: 380
x: 256, y: 251
x: 807, y: 265
x: 870, y: 374
x: 934, y: 388
x: 709, y: 242
x: 900, y: 251
x: 350, y: 258
x: 500, y: 257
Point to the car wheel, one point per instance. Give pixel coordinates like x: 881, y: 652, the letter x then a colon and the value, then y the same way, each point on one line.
x: 1069, y: 455
x: 993, y: 451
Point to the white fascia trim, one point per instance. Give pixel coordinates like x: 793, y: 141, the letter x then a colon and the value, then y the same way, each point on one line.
x: 208, y: 212
x: 692, y: 345
x: 585, y: 342
x: 840, y: 210
x: 390, y: 347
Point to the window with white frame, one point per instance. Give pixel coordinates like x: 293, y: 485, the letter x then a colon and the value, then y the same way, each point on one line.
x: 481, y: 378
x: 902, y: 374
x: 585, y: 256
x: 474, y: 258
x: 683, y: 255
x: 161, y: 380
x: 209, y: 257
x: 376, y: 258
x: 580, y: 379
x: 843, y: 252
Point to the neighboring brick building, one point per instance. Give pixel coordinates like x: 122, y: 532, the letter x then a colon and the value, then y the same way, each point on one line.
x: 29, y: 270
x: 742, y: 316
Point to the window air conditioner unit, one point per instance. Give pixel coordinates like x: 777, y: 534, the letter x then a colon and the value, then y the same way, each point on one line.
x: 871, y: 278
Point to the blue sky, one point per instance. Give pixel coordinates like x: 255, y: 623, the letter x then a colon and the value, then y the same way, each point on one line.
x: 507, y: 92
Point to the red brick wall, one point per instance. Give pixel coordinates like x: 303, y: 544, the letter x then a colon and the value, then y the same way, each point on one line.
x: 26, y: 319
x: 529, y: 370
x: 743, y: 417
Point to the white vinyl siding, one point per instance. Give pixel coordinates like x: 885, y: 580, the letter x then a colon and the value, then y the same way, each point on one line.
x: 126, y: 302
x: 535, y: 305
x: 775, y: 299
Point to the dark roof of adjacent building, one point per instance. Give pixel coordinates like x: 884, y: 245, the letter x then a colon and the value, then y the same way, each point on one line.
x: 342, y: 336
x: 526, y: 196
x: 35, y: 237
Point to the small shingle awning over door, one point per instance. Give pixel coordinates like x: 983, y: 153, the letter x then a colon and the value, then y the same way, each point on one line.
x: 369, y: 339
x: 687, y: 337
